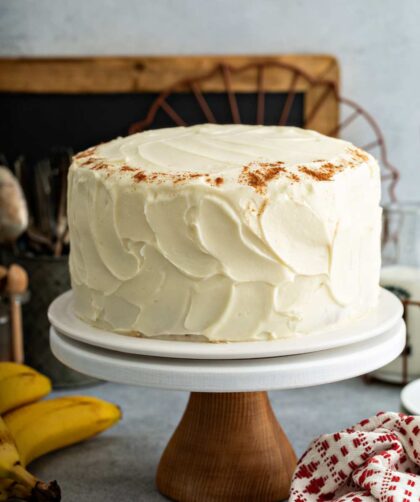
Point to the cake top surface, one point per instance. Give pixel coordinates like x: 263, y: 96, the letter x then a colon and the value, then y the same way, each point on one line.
x: 212, y: 153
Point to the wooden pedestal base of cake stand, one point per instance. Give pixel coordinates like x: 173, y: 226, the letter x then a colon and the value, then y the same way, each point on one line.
x: 228, y: 446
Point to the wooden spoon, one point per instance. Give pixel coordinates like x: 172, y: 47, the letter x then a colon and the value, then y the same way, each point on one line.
x: 17, y: 284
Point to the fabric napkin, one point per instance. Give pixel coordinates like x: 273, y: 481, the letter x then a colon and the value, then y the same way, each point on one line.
x: 376, y: 460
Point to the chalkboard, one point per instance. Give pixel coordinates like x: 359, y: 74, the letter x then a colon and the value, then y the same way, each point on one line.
x: 33, y: 124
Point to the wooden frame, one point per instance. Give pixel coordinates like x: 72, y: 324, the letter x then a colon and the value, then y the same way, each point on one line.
x: 319, y: 79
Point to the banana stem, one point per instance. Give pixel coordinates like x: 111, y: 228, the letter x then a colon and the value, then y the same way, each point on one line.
x: 32, y: 488
x: 24, y: 477
x: 19, y: 491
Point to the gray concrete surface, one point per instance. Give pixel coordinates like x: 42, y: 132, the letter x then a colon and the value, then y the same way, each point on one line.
x: 120, y: 464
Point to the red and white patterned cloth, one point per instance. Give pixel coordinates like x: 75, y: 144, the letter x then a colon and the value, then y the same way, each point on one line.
x: 376, y: 460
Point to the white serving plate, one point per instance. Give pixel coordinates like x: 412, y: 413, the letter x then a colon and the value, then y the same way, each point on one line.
x: 410, y: 397
x: 385, y: 316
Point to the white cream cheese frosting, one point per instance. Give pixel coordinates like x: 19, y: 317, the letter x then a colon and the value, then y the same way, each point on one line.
x: 224, y: 232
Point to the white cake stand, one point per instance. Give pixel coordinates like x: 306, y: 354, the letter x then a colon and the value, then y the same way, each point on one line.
x: 228, y: 445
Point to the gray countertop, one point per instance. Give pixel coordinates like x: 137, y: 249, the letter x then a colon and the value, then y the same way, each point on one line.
x: 120, y: 464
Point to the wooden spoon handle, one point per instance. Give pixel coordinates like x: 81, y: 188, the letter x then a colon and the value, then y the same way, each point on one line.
x: 18, y: 355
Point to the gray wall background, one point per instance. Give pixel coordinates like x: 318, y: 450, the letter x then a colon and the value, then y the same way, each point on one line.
x: 376, y: 41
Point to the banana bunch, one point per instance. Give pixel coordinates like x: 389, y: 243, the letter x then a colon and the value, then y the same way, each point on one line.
x: 16, y: 480
x: 30, y: 428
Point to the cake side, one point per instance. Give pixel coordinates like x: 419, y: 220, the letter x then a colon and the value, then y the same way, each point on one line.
x: 224, y: 233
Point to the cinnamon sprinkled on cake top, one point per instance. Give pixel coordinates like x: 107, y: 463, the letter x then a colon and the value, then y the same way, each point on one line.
x: 85, y: 153
x: 293, y: 177
x: 257, y: 175
x: 358, y: 154
x: 325, y: 172
x: 99, y: 166
x: 156, y: 177
x: 140, y: 176
x: 182, y: 178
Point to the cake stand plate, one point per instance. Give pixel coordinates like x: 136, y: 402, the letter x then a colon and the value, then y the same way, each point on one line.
x: 387, y: 313
x: 229, y: 445
x: 243, y: 375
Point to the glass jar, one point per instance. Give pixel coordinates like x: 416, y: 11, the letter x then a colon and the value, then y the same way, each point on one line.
x: 401, y: 274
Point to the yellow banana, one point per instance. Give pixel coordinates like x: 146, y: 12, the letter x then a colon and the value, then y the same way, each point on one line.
x: 41, y: 427
x: 10, y: 465
x: 19, y: 385
x: 15, y: 478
